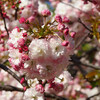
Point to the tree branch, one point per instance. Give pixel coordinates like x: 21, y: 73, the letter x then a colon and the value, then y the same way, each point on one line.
x: 10, y: 88
x: 89, y: 98
x: 90, y: 65
x: 76, y: 61
x: 79, y: 20
x: 4, y: 21
x: 82, y: 40
x: 16, y: 10
x: 13, y: 74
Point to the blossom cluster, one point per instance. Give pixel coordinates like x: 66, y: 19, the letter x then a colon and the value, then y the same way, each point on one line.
x: 40, y: 57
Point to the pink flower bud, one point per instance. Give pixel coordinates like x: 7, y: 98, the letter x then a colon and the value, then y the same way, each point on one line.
x: 21, y: 42
x: 50, y: 80
x: 4, y: 14
x: 2, y: 35
x: 13, y: 6
x: 24, y: 57
x: 21, y: 65
x: 65, y: 43
x: 19, y: 1
x: 25, y: 48
x: 22, y: 80
x: 39, y: 88
x: 60, y: 27
x: 20, y: 12
x: 31, y: 19
x: 58, y: 87
x: 25, y: 34
x: 20, y: 50
x: 22, y: 8
x: 24, y: 88
x: 73, y: 34
x: 58, y: 18
x: 22, y: 20
x: 66, y: 31
x: 89, y: 86
x: 65, y: 19
x: 95, y: 2
x: 52, y: 85
x: 46, y: 13
x: 2, y: 49
x: 17, y: 68
x: 11, y: 45
x: 29, y: 6
x: 82, y: 95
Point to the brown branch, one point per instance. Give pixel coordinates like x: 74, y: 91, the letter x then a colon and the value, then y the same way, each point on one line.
x: 13, y: 74
x: 85, y: 37
x: 10, y: 88
x: 4, y: 21
x: 82, y: 40
x: 89, y: 98
x: 16, y: 10
x: 82, y: 71
x: 79, y: 20
x: 76, y: 61
x: 90, y: 65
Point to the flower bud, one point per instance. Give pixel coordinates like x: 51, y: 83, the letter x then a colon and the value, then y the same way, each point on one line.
x: 60, y: 27
x: 22, y: 80
x: 66, y: 31
x: 58, y: 18
x: 73, y: 34
x: 22, y: 20
x: 39, y: 88
x: 46, y: 13
x: 65, y: 19
x: 65, y: 43
x: 21, y: 42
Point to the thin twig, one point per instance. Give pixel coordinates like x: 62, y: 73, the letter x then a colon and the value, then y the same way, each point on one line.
x: 4, y: 21
x: 93, y: 96
x: 13, y: 74
x: 85, y: 37
x: 10, y: 88
x: 81, y: 41
x: 82, y: 71
x: 16, y: 10
x: 79, y: 20
x: 77, y: 61
x: 90, y: 65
